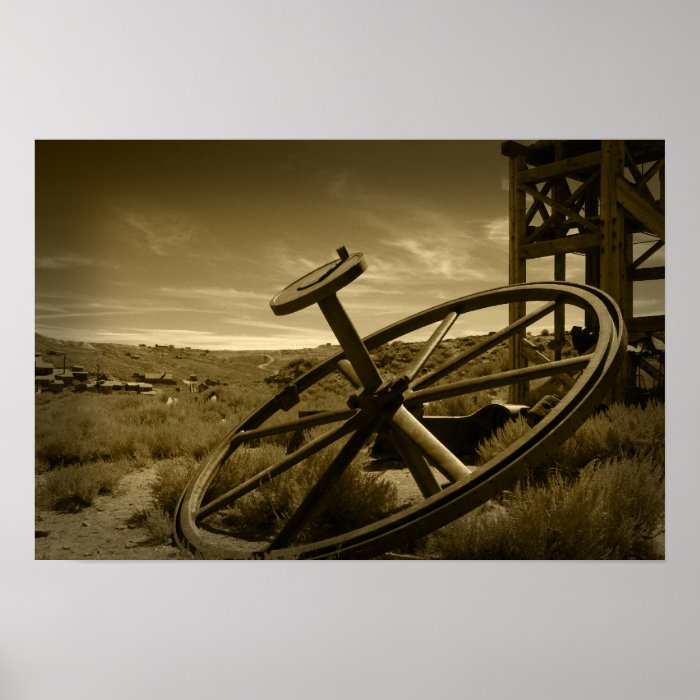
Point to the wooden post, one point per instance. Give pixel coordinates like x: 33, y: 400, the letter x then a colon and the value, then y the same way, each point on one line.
x: 560, y: 194
x: 592, y: 274
x: 517, y: 272
x: 613, y: 250
x: 559, y: 317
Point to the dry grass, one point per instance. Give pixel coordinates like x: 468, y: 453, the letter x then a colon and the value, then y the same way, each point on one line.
x: 70, y: 489
x: 601, y: 497
x: 614, y: 510
x: 358, y: 498
x: 79, y: 429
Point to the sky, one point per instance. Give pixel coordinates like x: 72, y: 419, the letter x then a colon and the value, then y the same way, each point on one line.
x: 186, y: 242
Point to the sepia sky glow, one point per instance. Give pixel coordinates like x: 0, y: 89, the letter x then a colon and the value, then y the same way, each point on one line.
x: 186, y: 242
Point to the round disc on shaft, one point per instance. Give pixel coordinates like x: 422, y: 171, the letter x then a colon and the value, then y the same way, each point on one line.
x: 318, y: 285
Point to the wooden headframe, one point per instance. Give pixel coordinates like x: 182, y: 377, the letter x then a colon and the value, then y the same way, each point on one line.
x: 589, y: 198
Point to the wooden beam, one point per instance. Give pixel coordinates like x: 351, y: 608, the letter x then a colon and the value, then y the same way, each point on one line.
x: 533, y: 355
x: 639, y: 184
x: 516, y: 270
x: 562, y: 194
x: 559, y: 167
x: 572, y: 199
x: 647, y: 324
x: 592, y: 274
x: 647, y: 273
x: 538, y: 206
x: 513, y: 149
x: 613, y: 249
x: 640, y: 208
x: 536, y: 194
x: 647, y: 253
x: 575, y: 243
x: 650, y: 173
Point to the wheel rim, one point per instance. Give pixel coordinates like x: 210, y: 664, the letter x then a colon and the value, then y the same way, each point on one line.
x: 467, y: 491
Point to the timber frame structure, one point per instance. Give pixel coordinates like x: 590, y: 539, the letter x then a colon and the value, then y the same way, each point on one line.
x: 594, y: 198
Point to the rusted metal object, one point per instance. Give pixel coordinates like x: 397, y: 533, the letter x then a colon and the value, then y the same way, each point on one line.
x: 386, y: 405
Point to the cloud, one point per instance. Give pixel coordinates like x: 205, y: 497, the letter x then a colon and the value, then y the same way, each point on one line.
x: 192, y: 338
x: 62, y: 262
x: 163, y: 235
x: 226, y: 293
x: 431, y: 248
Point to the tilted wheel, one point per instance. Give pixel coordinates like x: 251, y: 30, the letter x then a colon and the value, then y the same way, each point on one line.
x: 446, y: 488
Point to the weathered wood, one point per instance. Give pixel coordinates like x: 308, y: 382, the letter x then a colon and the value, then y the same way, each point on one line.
x: 573, y: 199
x: 613, y: 253
x: 513, y: 149
x: 517, y: 272
x: 640, y: 208
x: 639, y: 183
x: 559, y: 317
x: 537, y: 206
x: 560, y: 167
x: 646, y: 324
x: 576, y: 243
x: 561, y: 194
x: 536, y: 194
x: 650, y: 173
x: 648, y: 273
x: 534, y: 356
x: 648, y: 253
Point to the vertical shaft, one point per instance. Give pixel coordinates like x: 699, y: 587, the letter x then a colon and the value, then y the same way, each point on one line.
x: 351, y: 342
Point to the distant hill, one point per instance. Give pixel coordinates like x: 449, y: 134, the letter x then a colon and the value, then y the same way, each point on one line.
x: 120, y: 361
x: 242, y: 368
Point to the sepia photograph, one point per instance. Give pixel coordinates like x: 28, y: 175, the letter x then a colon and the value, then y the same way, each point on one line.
x: 349, y: 325
x: 350, y: 349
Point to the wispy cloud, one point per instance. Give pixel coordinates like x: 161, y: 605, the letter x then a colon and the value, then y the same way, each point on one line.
x: 162, y: 235
x: 227, y: 293
x: 192, y: 338
x: 430, y: 248
x: 62, y: 262
x: 74, y: 306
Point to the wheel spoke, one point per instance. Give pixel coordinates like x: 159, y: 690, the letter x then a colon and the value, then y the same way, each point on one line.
x: 416, y: 462
x: 322, y: 418
x: 448, y: 465
x: 429, y: 346
x: 349, y: 373
x: 315, y: 495
x: 490, y: 342
x: 276, y: 469
x: 491, y: 381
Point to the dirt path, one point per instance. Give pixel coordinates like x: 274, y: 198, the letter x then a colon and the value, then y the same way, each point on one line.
x: 104, y: 531
x: 107, y: 530
x: 267, y: 362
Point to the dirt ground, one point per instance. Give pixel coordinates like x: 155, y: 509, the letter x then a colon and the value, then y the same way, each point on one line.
x: 106, y: 530
x: 103, y: 531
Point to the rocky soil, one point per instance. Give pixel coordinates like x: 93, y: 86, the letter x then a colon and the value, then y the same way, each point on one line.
x: 105, y: 530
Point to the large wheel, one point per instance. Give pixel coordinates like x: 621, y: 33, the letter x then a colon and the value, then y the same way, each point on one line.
x: 388, y: 404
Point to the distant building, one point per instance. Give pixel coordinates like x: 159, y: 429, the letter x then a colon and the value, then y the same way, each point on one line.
x: 42, y: 368
x: 110, y: 386
x: 66, y: 377
x: 56, y: 386
x: 159, y: 378
x: 41, y: 382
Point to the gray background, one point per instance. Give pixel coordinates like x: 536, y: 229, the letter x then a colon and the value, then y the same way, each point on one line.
x: 486, y: 70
